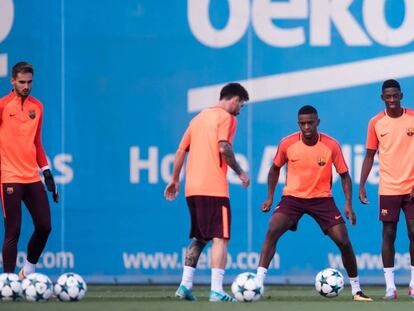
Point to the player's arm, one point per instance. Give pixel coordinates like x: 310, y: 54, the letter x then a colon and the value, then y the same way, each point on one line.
x: 227, y: 151
x: 42, y: 162
x: 2, y: 105
x: 272, y: 179
x: 173, y: 187
x: 366, y: 169
x: 347, y: 188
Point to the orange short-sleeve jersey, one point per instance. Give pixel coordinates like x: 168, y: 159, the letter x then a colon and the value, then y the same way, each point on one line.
x: 309, y: 168
x: 394, y: 140
x: 21, y: 151
x: 206, y: 168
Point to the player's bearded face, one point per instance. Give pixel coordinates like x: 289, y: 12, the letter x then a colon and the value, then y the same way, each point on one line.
x: 237, y: 103
x: 308, y: 124
x: 22, y: 84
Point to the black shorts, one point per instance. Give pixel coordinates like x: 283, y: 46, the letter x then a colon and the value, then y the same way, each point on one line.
x: 391, y: 205
x: 323, y: 210
x: 210, y: 217
x: 32, y: 194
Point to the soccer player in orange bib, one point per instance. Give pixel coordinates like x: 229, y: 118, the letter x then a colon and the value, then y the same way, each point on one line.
x: 208, y: 141
x: 391, y: 132
x: 309, y: 156
x: 21, y: 156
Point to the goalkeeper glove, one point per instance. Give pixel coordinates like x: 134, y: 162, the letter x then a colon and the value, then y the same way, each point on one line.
x: 50, y: 184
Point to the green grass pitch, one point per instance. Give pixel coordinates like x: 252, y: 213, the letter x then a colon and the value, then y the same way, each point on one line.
x: 276, y: 298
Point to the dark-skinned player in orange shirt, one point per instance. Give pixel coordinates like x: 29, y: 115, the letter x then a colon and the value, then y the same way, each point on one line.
x: 309, y: 156
x: 391, y: 133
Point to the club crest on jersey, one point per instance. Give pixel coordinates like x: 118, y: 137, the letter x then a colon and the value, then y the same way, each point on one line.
x: 32, y: 114
x: 9, y: 190
x: 321, y: 161
x: 410, y: 131
x: 384, y: 212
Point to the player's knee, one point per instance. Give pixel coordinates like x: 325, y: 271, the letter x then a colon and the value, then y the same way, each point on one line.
x: 273, y: 234
x: 344, y: 244
x: 411, y: 235
x: 43, y: 229
x: 389, y: 235
x: 200, y: 242
x: 12, y: 234
x: 220, y: 242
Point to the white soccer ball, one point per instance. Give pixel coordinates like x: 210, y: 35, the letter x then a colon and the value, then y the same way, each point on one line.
x: 329, y: 282
x: 10, y: 287
x: 70, y: 287
x: 245, y: 287
x: 37, y: 287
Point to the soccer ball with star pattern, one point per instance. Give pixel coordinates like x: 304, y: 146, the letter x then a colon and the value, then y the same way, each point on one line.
x: 37, y: 287
x: 10, y: 287
x: 70, y: 287
x: 245, y: 288
x: 329, y: 282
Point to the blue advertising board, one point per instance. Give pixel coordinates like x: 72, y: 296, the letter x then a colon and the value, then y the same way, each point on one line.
x: 120, y: 81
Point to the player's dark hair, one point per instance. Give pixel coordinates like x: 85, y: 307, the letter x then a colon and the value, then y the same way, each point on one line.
x: 234, y: 89
x: 391, y: 83
x: 307, y: 110
x: 22, y: 67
